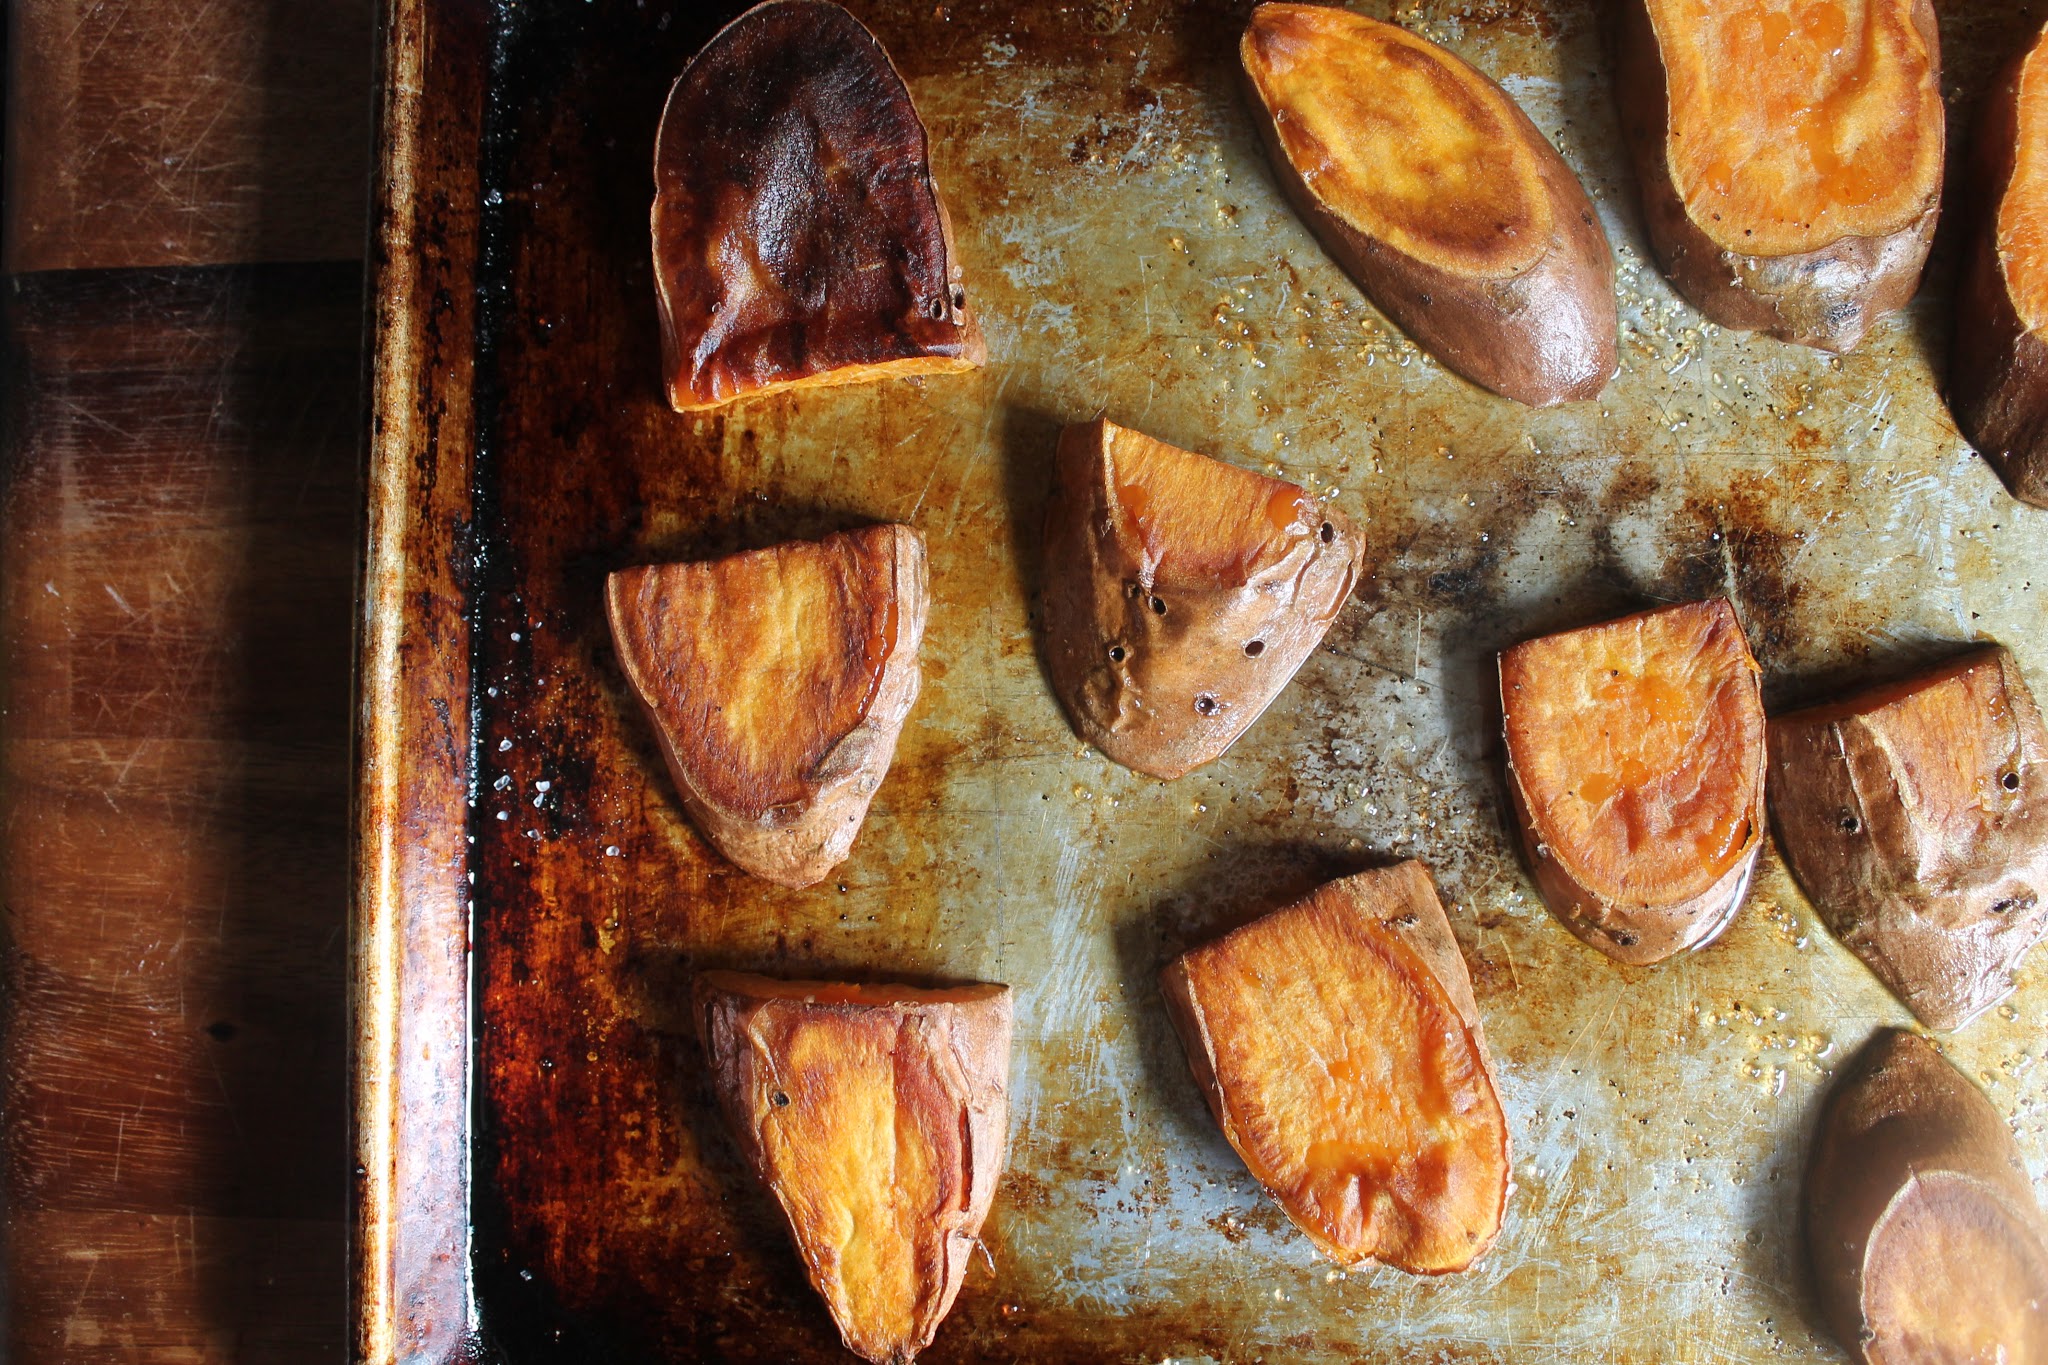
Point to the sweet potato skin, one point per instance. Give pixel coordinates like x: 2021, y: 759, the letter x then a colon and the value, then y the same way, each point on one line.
x: 769, y: 274
x: 1634, y: 931
x: 1542, y: 336
x: 1940, y: 892
x: 1998, y: 369
x: 1104, y: 592
x: 1826, y: 298
x: 1399, y: 906
x: 1901, y: 1122
x: 768, y: 1045
x: 795, y: 823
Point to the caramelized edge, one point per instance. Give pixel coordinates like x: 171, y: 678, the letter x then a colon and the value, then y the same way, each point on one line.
x: 753, y: 986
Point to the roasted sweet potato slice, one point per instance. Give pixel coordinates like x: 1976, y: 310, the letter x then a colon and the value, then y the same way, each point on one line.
x: 1790, y: 154
x: 1636, y: 767
x: 1438, y: 196
x: 1339, y: 1047
x: 798, y: 237
x: 876, y: 1116
x: 1998, y: 380
x: 778, y: 681
x: 1915, y: 816
x: 1926, y: 1240
x: 1181, y: 594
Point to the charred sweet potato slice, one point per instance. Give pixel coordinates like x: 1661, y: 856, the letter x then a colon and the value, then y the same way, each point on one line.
x: 1926, y: 1240
x: 798, y: 237
x: 1636, y: 766
x: 876, y: 1116
x: 1435, y: 192
x: 1998, y: 380
x: 1181, y: 594
x: 778, y: 681
x: 1915, y: 816
x: 1339, y: 1047
x: 1790, y: 153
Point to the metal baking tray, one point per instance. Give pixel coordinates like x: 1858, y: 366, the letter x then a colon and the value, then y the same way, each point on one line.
x: 543, y: 1176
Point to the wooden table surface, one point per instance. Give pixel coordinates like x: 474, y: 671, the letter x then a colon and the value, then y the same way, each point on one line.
x: 186, y: 191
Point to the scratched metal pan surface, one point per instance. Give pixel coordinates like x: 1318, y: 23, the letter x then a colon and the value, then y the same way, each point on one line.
x: 1129, y: 254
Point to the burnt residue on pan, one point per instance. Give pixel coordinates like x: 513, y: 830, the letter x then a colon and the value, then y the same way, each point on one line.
x: 1130, y: 255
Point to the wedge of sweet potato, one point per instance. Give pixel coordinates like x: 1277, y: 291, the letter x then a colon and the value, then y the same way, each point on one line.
x: 1915, y: 816
x: 1998, y: 377
x: 798, y: 237
x: 1339, y: 1047
x: 778, y: 681
x: 1181, y: 593
x: 1790, y: 154
x: 876, y: 1116
x: 1636, y: 768
x: 1926, y: 1240
x: 1438, y: 196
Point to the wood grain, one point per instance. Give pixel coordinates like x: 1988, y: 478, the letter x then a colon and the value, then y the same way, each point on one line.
x: 181, y: 520
x: 160, y: 134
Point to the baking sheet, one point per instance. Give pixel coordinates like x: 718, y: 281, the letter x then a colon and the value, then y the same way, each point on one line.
x: 1129, y: 254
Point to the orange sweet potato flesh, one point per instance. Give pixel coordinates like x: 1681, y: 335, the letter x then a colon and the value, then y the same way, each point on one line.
x: 1926, y: 1240
x: 1340, y: 1049
x: 1435, y: 192
x: 1998, y: 376
x: 798, y: 236
x: 2022, y: 222
x: 1790, y: 153
x: 1181, y: 594
x: 876, y: 1116
x: 778, y: 681
x: 1636, y: 768
x: 1915, y: 817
